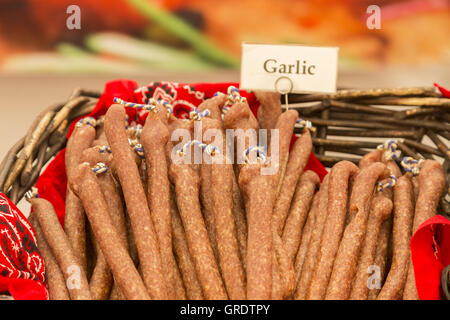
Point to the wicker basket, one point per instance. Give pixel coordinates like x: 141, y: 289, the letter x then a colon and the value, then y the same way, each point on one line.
x: 415, y: 116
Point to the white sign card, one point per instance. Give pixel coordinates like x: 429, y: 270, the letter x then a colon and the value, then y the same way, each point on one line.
x: 289, y: 68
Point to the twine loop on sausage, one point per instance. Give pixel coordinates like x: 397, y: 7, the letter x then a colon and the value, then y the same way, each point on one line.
x: 198, y: 115
x: 30, y: 194
x: 103, y: 149
x: 233, y: 96
x: 137, y: 147
x: 166, y: 104
x: 151, y: 106
x: 411, y: 165
x: 390, y: 149
x: 100, y: 168
x: 135, y: 130
x: 305, y: 124
x: 389, y: 184
x: 260, y: 154
x: 90, y: 121
x: 209, y: 149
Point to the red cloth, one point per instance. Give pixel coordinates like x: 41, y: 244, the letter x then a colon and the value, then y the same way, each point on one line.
x: 22, y: 271
x: 430, y: 253
x: 445, y: 93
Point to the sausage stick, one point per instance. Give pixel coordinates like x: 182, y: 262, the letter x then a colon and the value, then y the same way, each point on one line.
x: 369, y: 158
x: 220, y: 190
x: 125, y: 274
x: 314, y: 243
x: 187, y: 189
x: 298, y: 158
x: 214, y: 105
x: 277, y: 280
x: 208, y: 206
x: 285, y: 266
x: 240, y: 221
x: 112, y: 194
x: 380, y: 211
x: 74, y: 219
x: 306, y: 237
x: 136, y: 202
x: 57, y: 289
x: 431, y: 186
x: 338, y: 192
x: 403, y: 219
x: 345, y: 264
x: 241, y: 119
x: 57, y: 240
x: 384, y: 245
x: 285, y: 126
x: 304, y: 194
x: 259, y: 192
x: 181, y: 250
x: 382, y: 254
x: 269, y: 110
x: 180, y: 290
x: 154, y: 138
x: 229, y: 257
x: 101, y: 279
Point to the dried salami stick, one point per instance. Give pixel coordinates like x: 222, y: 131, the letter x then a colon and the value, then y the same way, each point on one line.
x: 240, y: 221
x: 381, y: 209
x: 125, y: 274
x: 277, y: 280
x: 214, y: 105
x: 403, y: 219
x: 136, y: 202
x: 345, y: 264
x: 208, y: 207
x: 101, y: 279
x: 338, y: 192
x: 154, y: 138
x: 57, y: 289
x: 298, y: 158
x: 285, y: 267
x: 384, y: 239
x: 369, y: 158
x: 57, y: 240
x: 220, y: 189
x: 431, y: 186
x: 285, y: 126
x: 241, y: 119
x: 74, y: 219
x: 306, y: 237
x: 180, y: 290
x: 181, y: 250
x: 269, y: 110
x: 304, y: 194
x: 187, y: 189
x: 228, y: 247
x: 314, y: 243
x: 259, y: 192
x: 382, y: 253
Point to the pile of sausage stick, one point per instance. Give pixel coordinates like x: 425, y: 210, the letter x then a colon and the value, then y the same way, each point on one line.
x: 142, y: 223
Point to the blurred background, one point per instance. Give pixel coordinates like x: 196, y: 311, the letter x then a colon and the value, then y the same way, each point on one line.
x: 42, y: 60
